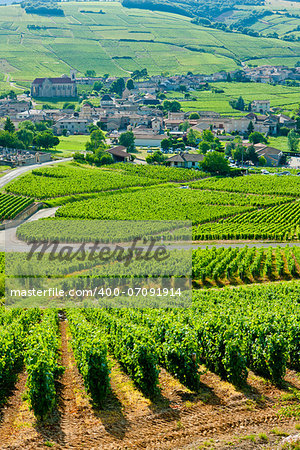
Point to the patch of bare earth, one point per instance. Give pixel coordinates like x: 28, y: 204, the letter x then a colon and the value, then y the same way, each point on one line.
x: 218, y: 416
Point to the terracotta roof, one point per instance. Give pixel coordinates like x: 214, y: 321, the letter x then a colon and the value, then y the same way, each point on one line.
x: 63, y: 80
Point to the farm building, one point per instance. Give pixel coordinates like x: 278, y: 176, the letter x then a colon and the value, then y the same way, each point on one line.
x: 120, y: 154
x: 185, y: 160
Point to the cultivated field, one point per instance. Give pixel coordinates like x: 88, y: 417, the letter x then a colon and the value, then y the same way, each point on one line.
x: 122, y: 40
x: 284, y: 97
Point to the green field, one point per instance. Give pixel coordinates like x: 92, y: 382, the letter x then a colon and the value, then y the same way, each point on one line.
x: 122, y: 40
x: 70, y: 144
x: 284, y: 97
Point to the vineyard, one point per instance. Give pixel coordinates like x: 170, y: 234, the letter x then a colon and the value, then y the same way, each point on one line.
x: 255, y: 184
x: 12, y: 205
x: 230, y: 332
x: 280, y: 223
x: 217, y: 266
x: 69, y: 180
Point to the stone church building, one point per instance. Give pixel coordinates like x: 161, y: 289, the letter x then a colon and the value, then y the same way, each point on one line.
x: 63, y: 86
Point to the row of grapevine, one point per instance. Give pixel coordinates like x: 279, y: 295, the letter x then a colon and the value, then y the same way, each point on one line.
x: 41, y: 361
x: 90, y: 350
x: 132, y: 347
x: 182, y: 343
x: 14, y: 325
x: 12, y: 205
x: 249, y: 264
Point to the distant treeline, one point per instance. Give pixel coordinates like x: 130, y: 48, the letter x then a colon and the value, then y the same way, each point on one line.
x: 92, y: 12
x: 157, y: 5
x: 209, y: 9
x: 46, y: 8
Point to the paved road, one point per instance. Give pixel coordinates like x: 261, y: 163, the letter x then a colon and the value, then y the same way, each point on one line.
x: 20, y: 170
x: 8, y: 238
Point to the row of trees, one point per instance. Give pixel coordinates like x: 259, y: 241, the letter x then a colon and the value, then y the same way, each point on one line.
x: 28, y: 134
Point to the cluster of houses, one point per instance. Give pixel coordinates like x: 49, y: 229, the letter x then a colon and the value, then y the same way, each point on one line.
x: 138, y: 111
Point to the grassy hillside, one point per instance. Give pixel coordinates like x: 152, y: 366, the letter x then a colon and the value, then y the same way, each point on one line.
x: 122, y: 40
x: 284, y: 97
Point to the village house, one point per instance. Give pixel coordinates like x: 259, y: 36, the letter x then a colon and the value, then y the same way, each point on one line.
x: 72, y: 125
x: 120, y: 154
x: 12, y: 108
x: 271, y: 154
x: 260, y: 106
x: 185, y: 160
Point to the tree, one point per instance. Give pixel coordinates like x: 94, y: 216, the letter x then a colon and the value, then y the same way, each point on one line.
x: 97, y: 86
x: 194, y: 116
x: 192, y: 138
x: 40, y: 126
x: 25, y: 136
x: 127, y: 140
x: 90, y: 73
x: 46, y: 139
x: 204, y: 147
x: 184, y: 126
x: 157, y: 157
x: 144, y: 73
x: 250, y: 128
x: 207, y: 136
x: 238, y: 104
x: 251, y: 155
x: 172, y: 106
x: 293, y: 141
x: 27, y: 125
x: 9, y: 140
x: 229, y: 148
x: 9, y: 126
x: 97, y: 139
x: 130, y: 84
x: 214, y: 162
x: 166, y: 144
x: 12, y: 95
x: 262, y: 161
x: 118, y: 86
x: 238, y: 153
x: 68, y: 105
x: 257, y: 137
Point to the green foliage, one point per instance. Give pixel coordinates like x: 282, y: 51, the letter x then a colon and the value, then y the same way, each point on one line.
x: 257, y: 137
x: 132, y: 346
x: 158, y: 157
x: 214, y: 162
x: 41, y: 361
x: 293, y: 141
x: 127, y: 140
x: 90, y: 349
x: 58, y: 181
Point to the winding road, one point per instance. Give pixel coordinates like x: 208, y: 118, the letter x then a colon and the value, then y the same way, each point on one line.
x: 20, y: 170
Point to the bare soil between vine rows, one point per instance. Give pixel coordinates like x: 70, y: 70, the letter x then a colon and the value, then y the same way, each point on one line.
x: 218, y: 416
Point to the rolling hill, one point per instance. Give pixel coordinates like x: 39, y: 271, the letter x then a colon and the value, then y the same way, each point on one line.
x: 120, y: 40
